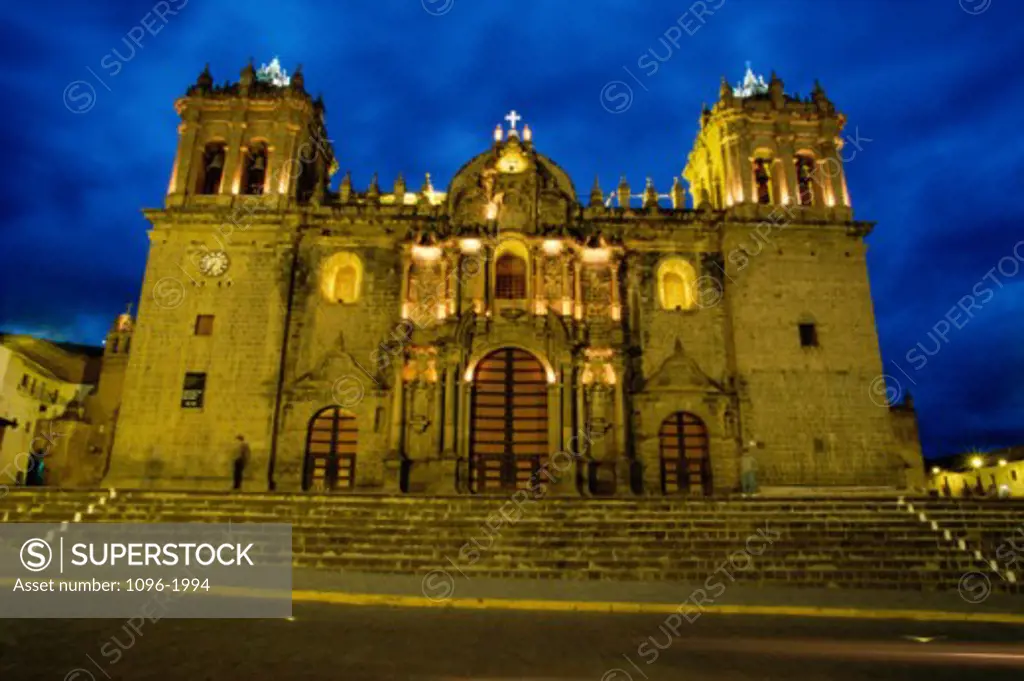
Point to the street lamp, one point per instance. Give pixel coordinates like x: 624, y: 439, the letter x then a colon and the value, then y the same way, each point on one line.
x: 977, y: 462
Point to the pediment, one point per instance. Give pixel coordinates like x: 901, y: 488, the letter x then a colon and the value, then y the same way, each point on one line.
x: 681, y: 372
x: 516, y: 196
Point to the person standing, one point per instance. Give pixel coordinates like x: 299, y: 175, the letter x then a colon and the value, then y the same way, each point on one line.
x: 242, y: 453
x: 748, y: 473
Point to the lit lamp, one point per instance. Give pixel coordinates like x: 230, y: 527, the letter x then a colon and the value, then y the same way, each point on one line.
x: 596, y: 251
x: 426, y: 248
x: 1002, y: 462
x: 977, y: 462
x: 936, y: 470
x: 552, y: 246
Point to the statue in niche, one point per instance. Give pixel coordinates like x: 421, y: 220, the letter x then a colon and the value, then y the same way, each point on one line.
x: 599, y: 421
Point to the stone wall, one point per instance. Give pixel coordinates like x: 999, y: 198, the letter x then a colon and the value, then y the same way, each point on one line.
x: 809, y: 408
x: 159, y: 443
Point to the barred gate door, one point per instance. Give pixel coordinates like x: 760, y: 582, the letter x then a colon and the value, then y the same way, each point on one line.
x: 685, y: 461
x: 509, y: 434
x: 330, y: 461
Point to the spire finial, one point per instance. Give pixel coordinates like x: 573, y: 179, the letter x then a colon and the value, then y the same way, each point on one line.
x: 373, y: 192
x: 345, y: 190
x: 623, y: 192
x: 596, y: 195
x: 678, y: 194
x: 650, y: 194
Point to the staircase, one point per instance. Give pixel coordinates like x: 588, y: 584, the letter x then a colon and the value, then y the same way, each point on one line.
x: 820, y: 542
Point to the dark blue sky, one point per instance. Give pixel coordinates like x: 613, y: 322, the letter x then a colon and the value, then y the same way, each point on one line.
x: 411, y: 86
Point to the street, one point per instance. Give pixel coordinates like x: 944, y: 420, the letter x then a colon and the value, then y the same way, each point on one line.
x: 374, y: 643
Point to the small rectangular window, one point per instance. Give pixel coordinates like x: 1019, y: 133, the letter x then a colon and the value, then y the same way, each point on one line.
x: 204, y: 325
x: 819, y: 446
x: 193, y: 391
x: 808, y: 335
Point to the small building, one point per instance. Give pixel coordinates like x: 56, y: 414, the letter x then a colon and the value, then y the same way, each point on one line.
x: 38, y: 380
x: 61, y: 400
x: 998, y: 473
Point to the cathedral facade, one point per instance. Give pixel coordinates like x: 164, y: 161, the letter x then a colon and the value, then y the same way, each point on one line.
x: 505, y: 329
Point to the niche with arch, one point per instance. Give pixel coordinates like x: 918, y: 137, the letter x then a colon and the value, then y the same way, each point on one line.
x: 341, y: 278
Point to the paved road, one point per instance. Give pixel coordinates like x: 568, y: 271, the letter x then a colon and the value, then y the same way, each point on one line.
x: 376, y: 644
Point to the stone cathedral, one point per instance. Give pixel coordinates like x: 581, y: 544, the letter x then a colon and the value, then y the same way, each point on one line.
x: 461, y: 340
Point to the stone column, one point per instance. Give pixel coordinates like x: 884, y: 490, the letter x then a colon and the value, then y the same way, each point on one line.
x: 537, y: 267
x: 731, y: 184
x: 488, y: 253
x: 788, y: 159
x: 463, y: 446
x: 577, y: 445
x: 577, y: 289
x: 567, y: 398
x: 564, y: 292
x: 615, y: 310
x: 746, y: 173
x: 287, y: 175
x: 831, y: 169
x: 405, y: 284
x: 457, y: 285
x: 396, y: 453
x: 450, y: 375
x: 437, y: 419
x: 182, y: 178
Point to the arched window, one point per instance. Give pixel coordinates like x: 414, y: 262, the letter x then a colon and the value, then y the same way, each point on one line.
x: 255, y: 173
x: 510, y: 278
x: 341, y: 278
x: 415, y: 283
x: 805, y: 179
x: 762, y: 180
x: 309, y: 175
x: 677, y: 285
x: 345, y: 284
x: 212, y: 170
x: 675, y: 290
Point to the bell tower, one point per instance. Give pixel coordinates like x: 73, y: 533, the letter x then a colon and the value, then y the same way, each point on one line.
x: 261, y: 136
x: 253, y: 158
x: 759, y: 145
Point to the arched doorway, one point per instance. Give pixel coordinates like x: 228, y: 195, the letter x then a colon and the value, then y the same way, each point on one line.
x: 509, y: 421
x: 330, y: 461
x: 685, y: 460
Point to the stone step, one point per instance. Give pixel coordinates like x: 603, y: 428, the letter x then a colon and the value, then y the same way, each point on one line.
x: 665, y: 531
x: 484, y: 514
x: 827, y: 576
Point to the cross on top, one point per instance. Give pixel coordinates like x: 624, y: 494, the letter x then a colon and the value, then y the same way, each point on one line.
x: 512, y: 119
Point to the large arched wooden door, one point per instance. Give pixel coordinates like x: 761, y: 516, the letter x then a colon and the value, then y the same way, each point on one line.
x: 509, y: 422
x: 330, y: 461
x: 685, y: 460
